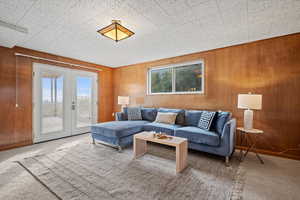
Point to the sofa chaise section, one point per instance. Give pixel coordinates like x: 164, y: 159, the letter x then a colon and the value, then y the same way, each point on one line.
x: 117, y: 133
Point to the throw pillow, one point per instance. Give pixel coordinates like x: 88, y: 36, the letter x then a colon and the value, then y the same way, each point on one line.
x: 149, y: 114
x: 167, y: 118
x: 180, y: 114
x: 206, y: 120
x: 134, y: 113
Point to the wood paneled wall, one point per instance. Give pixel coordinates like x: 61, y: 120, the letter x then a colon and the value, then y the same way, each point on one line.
x: 269, y: 67
x: 7, y: 97
x: 16, y: 79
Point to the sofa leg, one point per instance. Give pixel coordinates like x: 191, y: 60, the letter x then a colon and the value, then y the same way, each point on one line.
x: 227, y: 161
x: 93, y: 140
x: 119, y: 149
x: 233, y: 152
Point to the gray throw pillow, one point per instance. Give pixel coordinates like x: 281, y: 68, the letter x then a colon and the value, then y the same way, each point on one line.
x: 206, y: 120
x: 134, y: 113
x: 166, y: 118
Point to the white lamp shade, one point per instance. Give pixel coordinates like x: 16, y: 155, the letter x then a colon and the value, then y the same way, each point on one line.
x: 250, y: 101
x: 123, y: 100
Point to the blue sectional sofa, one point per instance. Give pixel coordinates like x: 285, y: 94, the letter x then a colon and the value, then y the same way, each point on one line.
x: 218, y: 140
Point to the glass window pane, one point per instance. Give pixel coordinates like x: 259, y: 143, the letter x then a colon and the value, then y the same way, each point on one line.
x: 52, y: 103
x: 188, y: 78
x: 161, y: 80
x: 84, y: 101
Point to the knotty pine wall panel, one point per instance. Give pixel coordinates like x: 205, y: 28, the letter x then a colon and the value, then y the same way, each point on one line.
x: 7, y: 97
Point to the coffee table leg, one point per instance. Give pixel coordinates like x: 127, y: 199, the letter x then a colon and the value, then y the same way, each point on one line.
x: 139, y: 147
x: 181, y: 157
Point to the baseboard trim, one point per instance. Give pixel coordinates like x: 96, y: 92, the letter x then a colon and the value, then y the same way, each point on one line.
x: 272, y: 153
x: 16, y: 145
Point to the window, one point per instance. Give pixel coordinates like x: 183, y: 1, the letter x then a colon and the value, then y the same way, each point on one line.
x: 177, y: 79
x: 161, y: 80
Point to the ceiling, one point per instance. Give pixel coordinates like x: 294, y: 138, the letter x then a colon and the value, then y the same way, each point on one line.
x: 163, y: 28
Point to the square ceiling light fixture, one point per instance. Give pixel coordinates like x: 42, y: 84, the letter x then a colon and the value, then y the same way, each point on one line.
x: 116, y: 31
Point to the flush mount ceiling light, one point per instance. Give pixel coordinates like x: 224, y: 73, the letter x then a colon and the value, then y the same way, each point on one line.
x: 116, y: 31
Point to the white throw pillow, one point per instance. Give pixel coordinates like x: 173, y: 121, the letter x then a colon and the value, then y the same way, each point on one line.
x: 167, y: 118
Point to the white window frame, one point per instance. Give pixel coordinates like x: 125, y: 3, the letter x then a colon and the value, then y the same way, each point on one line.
x: 173, y: 66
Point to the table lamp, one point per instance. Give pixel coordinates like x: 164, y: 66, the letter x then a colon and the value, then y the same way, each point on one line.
x: 249, y: 101
x: 123, y: 101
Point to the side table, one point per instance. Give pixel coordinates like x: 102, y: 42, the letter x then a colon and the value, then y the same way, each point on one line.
x: 250, y: 137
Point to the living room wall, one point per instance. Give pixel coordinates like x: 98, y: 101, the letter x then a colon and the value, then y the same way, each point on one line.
x: 16, y: 79
x: 269, y: 67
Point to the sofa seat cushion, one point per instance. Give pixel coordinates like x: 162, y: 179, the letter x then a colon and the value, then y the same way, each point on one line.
x: 160, y: 127
x: 197, y: 135
x: 118, y: 128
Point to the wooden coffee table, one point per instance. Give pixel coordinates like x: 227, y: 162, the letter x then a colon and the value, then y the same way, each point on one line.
x: 181, y: 145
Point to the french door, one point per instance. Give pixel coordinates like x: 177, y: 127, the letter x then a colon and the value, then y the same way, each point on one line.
x: 64, y: 102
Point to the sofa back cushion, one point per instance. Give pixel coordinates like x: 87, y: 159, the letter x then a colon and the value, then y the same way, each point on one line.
x: 192, y: 117
x: 180, y: 114
x: 166, y: 118
x: 220, y: 120
x: 149, y: 114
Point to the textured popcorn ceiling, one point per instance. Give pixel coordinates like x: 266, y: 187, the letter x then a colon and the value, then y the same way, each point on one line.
x: 163, y: 28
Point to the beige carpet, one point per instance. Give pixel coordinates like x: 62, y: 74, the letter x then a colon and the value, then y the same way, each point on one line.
x: 87, y: 171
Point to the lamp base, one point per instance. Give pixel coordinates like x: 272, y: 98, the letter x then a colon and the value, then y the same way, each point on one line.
x: 122, y: 107
x: 248, y: 119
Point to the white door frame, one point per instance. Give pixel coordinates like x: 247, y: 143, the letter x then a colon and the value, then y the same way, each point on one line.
x: 69, y: 92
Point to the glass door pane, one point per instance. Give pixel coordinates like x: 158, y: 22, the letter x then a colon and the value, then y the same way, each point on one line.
x: 83, y: 101
x: 52, y: 102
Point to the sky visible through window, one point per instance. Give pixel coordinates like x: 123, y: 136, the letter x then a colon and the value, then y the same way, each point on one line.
x: 46, y: 84
x: 83, y: 88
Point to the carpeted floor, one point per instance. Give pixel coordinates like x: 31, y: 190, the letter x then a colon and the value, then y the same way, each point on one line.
x: 86, y: 171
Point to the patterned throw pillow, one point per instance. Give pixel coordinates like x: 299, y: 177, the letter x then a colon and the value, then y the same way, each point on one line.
x: 166, y: 118
x: 134, y: 113
x: 206, y: 119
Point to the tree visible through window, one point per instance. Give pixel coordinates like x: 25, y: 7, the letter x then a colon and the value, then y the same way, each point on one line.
x: 161, y: 80
x: 188, y: 78
x: 183, y: 78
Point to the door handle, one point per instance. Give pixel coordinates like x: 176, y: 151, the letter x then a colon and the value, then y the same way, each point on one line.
x: 73, y: 105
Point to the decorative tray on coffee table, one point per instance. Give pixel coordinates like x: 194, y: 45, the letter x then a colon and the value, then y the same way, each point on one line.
x: 161, y: 136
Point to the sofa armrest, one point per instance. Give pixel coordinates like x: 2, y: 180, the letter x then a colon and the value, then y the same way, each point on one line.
x: 228, y: 135
x: 120, y: 116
